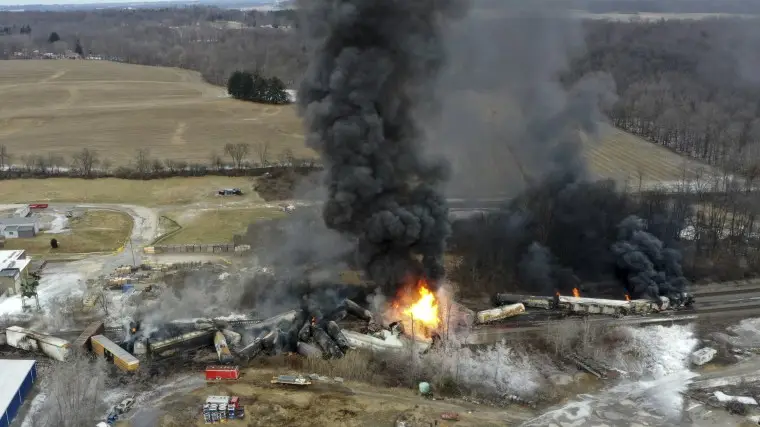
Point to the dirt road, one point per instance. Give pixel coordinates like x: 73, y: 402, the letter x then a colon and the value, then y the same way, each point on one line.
x: 334, y: 404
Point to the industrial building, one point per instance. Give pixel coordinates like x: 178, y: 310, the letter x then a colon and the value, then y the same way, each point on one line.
x: 19, y: 227
x: 14, y: 270
x: 17, y: 378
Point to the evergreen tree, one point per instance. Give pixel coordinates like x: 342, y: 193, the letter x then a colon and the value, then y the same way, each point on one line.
x: 54, y: 37
x: 277, y: 94
x: 234, y: 85
x: 78, y: 49
x: 246, y: 85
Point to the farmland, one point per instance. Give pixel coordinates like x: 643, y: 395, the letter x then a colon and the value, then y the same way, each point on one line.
x: 62, y: 106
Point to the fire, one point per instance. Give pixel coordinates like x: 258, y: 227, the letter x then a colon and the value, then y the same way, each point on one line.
x: 425, y: 310
x: 576, y: 293
x: 417, y: 308
x: 627, y: 297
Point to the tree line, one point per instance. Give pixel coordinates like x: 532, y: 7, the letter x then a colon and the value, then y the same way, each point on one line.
x: 236, y: 160
x: 214, y: 41
x: 689, y: 85
x: 257, y: 88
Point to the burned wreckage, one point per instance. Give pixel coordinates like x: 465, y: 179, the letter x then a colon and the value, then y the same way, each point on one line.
x: 310, y: 331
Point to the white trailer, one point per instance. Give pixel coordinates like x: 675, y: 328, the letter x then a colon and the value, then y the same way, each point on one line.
x: 24, y: 339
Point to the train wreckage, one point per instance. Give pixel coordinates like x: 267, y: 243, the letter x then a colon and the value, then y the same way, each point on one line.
x: 313, y: 331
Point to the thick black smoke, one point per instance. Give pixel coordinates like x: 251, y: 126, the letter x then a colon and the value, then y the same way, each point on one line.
x: 649, y: 268
x: 371, y: 75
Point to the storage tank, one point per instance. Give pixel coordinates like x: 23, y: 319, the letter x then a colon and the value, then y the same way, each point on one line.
x: 24, y: 339
x: 499, y: 313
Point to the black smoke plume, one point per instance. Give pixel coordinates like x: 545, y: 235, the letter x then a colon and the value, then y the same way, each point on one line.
x: 561, y: 222
x: 371, y: 76
x: 647, y: 266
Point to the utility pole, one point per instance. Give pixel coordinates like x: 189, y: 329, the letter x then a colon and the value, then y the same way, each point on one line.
x: 132, y: 250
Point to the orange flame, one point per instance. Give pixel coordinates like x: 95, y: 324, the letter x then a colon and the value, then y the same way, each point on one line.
x: 576, y: 293
x: 417, y: 307
x: 627, y: 297
x: 557, y: 294
x: 425, y: 310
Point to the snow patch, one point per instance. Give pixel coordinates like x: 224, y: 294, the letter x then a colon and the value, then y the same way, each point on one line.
x: 58, y: 225
x: 498, y: 368
x: 656, y: 359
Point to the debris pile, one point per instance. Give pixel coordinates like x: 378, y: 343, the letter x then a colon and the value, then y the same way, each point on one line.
x: 308, y: 331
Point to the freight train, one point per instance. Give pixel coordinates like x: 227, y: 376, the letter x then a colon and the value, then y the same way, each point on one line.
x: 584, y: 306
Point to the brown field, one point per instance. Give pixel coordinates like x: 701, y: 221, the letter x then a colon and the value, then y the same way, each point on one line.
x: 625, y: 157
x: 215, y: 225
x: 157, y: 192
x: 94, y: 231
x: 651, y: 16
x: 62, y: 106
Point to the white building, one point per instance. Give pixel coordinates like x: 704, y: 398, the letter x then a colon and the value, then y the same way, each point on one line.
x: 14, y: 269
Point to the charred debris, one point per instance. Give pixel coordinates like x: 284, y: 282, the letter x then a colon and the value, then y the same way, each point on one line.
x: 312, y: 330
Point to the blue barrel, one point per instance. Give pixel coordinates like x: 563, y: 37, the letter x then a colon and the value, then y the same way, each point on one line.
x: 424, y: 388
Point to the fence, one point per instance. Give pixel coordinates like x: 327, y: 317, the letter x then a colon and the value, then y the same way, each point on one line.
x: 206, y: 248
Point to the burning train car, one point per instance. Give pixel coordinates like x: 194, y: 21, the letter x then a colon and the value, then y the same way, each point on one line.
x: 584, y: 306
x: 24, y: 339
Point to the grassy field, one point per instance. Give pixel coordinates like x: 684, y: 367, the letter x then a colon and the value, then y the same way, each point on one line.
x: 215, y: 225
x: 94, y: 231
x: 158, y: 192
x: 625, y: 157
x: 62, y: 106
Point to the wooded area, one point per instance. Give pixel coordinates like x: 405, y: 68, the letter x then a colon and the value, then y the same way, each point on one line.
x: 213, y: 41
x: 691, y: 86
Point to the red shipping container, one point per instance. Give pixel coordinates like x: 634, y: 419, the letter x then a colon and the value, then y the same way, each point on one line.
x: 218, y: 373
x: 38, y: 206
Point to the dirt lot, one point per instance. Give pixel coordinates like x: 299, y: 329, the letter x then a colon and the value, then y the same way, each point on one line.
x: 331, y: 404
x: 62, y: 106
x: 94, y: 231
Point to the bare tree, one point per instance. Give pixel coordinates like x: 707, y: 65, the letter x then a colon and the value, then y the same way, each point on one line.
x: 216, y: 161
x: 262, y: 150
x: 73, y: 392
x: 142, y: 162
x: 5, y: 158
x: 103, y: 302
x: 237, y: 152
x: 85, y: 161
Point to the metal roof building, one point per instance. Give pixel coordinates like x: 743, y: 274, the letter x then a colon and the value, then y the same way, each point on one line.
x: 17, y: 378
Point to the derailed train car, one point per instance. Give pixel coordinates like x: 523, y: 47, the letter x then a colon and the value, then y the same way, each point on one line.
x: 222, y: 350
x: 586, y: 306
x: 109, y: 350
x: 185, y: 342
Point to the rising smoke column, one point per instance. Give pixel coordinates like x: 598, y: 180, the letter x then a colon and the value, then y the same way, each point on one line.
x: 372, y: 70
x: 651, y: 269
